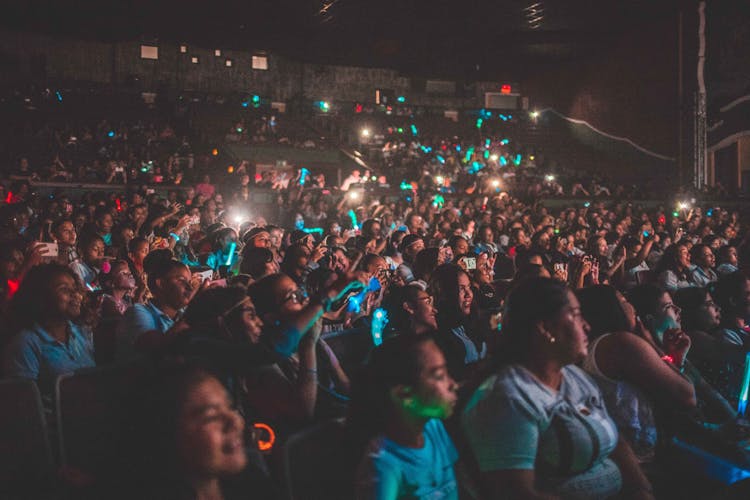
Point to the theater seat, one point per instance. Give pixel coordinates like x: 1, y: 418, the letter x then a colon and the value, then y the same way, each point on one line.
x: 91, y: 411
x: 26, y: 466
x: 317, y: 464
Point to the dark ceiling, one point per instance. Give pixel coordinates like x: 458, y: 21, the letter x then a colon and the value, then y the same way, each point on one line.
x: 464, y: 39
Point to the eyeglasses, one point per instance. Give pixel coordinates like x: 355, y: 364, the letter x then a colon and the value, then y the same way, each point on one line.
x: 297, y: 296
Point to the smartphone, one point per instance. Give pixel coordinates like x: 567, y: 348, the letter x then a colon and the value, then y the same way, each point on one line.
x: 218, y: 283
x: 205, y: 275
x: 559, y: 267
x: 50, y: 249
x: 471, y: 263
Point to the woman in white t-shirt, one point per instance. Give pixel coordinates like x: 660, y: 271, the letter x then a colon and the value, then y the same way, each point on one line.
x: 538, y: 427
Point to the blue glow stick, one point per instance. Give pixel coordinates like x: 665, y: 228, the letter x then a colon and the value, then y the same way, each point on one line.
x: 503, y: 161
x: 379, y: 320
x: 232, y: 248
x: 353, y: 217
x: 742, y: 404
x: 302, y: 176
x: 414, y: 129
x: 309, y: 230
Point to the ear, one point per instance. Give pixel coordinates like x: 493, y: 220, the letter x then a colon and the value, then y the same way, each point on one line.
x: 402, y: 396
x: 408, y: 308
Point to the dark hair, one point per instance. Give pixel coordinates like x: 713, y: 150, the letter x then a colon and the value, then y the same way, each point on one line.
x: 291, y: 256
x: 58, y: 224
x: 645, y: 299
x: 696, y: 253
x: 263, y: 295
x: 31, y: 301
x: 722, y: 256
x: 729, y: 296
x: 424, y: 262
x: 668, y: 261
x: 133, y: 244
x: 444, y: 287
x: 204, y: 310
x: 87, y: 239
x: 254, y: 260
x: 367, y: 260
x: 395, y: 362
x: 533, y: 300
x: 107, y: 279
x: 602, y: 310
x: 158, y: 264
x: 690, y: 300
x: 398, y: 317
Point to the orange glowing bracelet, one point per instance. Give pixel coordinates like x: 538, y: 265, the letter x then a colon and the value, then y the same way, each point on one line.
x: 265, y: 445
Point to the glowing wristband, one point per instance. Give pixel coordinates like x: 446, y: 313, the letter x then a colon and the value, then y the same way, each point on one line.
x: 669, y: 359
x: 176, y: 238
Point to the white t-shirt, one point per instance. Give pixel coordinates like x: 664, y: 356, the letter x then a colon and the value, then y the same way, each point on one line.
x: 513, y: 421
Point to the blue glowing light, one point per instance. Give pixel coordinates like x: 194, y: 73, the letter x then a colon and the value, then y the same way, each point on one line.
x: 414, y: 130
x: 232, y: 248
x: 517, y: 159
x: 353, y: 217
x: 245, y: 104
x: 486, y: 154
x: 401, y: 98
x: 440, y: 159
x: 111, y: 133
x: 505, y: 142
x: 479, y: 122
x: 742, y: 403
x: 458, y: 148
x: 58, y: 95
x: 379, y: 321
x: 503, y: 161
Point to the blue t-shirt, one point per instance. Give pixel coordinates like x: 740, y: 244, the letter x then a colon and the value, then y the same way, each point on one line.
x: 390, y: 471
x: 34, y: 354
x: 139, y: 319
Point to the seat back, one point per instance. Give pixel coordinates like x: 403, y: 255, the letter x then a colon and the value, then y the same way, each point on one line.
x: 91, y: 417
x: 317, y: 463
x: 26, y: 465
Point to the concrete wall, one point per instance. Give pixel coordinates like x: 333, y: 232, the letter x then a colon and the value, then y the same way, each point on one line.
x: 25, y: 57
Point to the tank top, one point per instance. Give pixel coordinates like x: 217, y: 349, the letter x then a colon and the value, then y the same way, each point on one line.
x: 628, y: 406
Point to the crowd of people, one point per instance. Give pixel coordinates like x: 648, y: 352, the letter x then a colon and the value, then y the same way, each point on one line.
x: 513, y: 350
